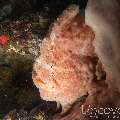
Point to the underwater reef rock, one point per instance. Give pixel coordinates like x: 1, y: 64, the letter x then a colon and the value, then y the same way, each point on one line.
x: 65, y: 69
x: 104, y: 18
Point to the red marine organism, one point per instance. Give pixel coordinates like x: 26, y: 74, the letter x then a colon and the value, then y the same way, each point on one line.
x: 4, y: 39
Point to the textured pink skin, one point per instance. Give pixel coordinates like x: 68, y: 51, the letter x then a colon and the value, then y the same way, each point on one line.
x: 64, y: 70
x: 103, y: 16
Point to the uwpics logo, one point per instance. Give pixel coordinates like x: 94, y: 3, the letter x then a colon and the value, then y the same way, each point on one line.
x: 95, y: 112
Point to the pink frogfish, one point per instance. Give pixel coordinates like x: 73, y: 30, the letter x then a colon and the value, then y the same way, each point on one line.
x: 64, y: 69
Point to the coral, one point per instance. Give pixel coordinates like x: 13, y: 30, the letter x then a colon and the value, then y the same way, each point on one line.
x: 19, y: 42
x: 64, y: 71
x: 40, y: 116
x: 24, y: 115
